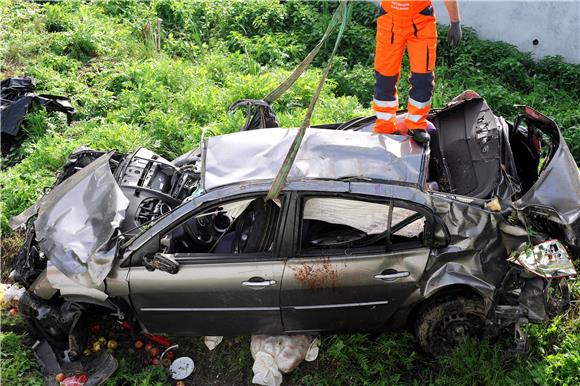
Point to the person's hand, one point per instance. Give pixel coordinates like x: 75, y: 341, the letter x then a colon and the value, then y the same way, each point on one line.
x: 454, y: 35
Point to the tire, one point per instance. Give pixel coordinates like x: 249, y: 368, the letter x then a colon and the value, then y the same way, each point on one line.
x: 446, y: 322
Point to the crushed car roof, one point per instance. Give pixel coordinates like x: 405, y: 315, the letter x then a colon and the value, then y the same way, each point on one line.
x: 324, y: 154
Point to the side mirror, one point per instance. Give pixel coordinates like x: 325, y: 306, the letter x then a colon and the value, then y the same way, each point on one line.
x: 161, y: 261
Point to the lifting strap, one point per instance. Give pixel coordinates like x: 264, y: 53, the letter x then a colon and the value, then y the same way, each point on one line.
x: 340, y: 17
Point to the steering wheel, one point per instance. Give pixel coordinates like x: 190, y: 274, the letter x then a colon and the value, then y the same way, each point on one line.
x: 201, y: 230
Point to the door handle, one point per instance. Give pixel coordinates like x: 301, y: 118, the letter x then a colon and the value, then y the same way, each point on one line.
x: 259, y: 284
x: 391, y: 275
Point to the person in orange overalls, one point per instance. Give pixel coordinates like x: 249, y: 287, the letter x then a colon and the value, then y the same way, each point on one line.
x: 409, y: 24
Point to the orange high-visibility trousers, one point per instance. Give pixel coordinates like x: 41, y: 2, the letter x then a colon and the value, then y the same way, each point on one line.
x: 398, y: 29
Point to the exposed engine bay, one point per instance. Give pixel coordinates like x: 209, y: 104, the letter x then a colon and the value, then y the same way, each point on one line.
x: 153, y: 185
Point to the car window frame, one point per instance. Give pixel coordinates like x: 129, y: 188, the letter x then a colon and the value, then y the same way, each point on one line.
x: 361, y: 251
x: 201, y: 257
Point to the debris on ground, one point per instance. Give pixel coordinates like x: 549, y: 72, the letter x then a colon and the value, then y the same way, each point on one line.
x: 9, y: 295
x: 88, y: 371
x: 274, y: 355
x: 17, y: 97
x: 181, y: 368
x: 212, y: 342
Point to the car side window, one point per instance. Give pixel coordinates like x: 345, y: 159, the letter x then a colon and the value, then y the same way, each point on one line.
x: 238, y: 227
x: 341, y: 224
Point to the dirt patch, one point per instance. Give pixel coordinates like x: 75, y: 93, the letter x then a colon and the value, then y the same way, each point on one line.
x: 9, y: 247
x: 318, y: 275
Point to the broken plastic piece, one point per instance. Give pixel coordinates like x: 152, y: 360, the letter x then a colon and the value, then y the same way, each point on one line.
x: 549, y: 259
x: 521, y: 335
x: 493, y: 205
x: 212, y: 342
x: 174, y: 347
x: 181, y: 368
x: 163, y: 341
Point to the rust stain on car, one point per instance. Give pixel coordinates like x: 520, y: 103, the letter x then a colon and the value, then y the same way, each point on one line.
x: 317, y: 275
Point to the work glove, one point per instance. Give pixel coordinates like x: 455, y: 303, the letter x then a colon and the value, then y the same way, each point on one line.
x: 454, y: 35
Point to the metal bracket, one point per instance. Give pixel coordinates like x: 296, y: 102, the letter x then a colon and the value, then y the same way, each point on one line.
x: 521, y: 335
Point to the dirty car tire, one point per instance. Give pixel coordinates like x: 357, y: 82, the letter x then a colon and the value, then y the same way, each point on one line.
x: 446, y: 322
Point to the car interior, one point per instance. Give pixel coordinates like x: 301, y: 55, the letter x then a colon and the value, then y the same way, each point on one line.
x: 331, y: 224
x: 242, y: 226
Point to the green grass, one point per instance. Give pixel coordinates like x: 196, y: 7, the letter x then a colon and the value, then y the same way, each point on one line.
x: 101, y: 54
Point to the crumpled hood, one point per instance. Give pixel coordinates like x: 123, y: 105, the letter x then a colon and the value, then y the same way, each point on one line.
x: 77, y: 219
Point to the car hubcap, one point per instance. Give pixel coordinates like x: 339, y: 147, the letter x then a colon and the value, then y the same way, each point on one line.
x: 455, y: 328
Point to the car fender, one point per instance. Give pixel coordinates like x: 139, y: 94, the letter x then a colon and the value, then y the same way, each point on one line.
x: 453, y: 274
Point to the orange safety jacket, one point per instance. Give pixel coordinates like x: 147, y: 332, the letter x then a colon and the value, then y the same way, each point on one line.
x: 404, y: 8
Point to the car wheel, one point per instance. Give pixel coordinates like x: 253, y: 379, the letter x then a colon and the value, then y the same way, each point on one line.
x: 446, y: 322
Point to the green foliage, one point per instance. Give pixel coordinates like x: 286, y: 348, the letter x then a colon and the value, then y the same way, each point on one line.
x: 56, y: 19
x: 561, y: 368
x: 131, y: 374
x: 18, y: 366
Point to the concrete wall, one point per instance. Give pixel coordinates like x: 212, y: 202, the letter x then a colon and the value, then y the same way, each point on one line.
x: 553, y: 25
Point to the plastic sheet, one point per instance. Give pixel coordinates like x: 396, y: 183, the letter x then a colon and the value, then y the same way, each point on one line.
x: 326, y: 154
x: 274, y: 355
x: 10, y: 294
x: 17, y: 96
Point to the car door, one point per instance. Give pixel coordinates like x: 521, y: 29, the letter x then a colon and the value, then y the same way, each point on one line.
x: 224, y: 285
x: 357, y: 260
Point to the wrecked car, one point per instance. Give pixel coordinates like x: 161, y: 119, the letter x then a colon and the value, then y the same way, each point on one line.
x: 466, y: 237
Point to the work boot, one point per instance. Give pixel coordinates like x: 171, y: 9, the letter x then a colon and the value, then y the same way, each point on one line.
x: 420, y: 136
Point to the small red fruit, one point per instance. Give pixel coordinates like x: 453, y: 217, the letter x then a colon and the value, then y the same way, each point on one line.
x: 155, y: 361
x: 166, y: 362
x: 82, y: 378
x: 138, y: 344
x: 179, y: 383
x: 154, y: 352
x: 148, y: 347
x: 59, y: 377
x: 169, y: 355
